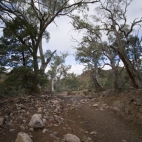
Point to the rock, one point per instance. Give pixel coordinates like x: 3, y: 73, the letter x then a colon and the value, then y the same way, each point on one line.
x: 11, y: 114
x: 71, y: 138
x: 22, y: 127
x: 16, y: 100
x: 89, y: 139
x: 23, y: 137
x: 1, y: 121
x: 93, y: 133
x: 31, y: 129
x: 44, y: 131
x: 95, y: 105
x: 44, y: 122
x: 11, y: 130
x: 22, y: 106
x: 55, y: 102
x: 36, y: 121
x: 39, y: 110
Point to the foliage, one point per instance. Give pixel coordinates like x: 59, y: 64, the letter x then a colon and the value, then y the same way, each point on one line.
x: 69, y: 82
x: 20, y: 81
x: 121, y: 44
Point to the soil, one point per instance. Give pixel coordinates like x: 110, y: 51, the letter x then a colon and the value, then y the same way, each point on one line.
x: 92, y: 119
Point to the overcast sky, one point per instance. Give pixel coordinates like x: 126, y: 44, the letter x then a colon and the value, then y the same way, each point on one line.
x: 60, y: 35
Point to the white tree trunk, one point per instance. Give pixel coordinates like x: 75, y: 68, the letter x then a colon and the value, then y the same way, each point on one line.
x: 52, y: 85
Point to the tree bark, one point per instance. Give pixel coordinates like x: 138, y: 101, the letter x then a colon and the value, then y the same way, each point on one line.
x: 130, y: 70
x: 95, y: 73
x: 123, y: 56
x: 52, y: 85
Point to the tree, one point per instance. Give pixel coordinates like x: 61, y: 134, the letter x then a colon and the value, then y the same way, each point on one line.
x: 57, y: 69
x: 134, y: 53
x: 13, y: 52
x: 68, y: 82
x: 114, y: 60
x: 113, y: 14
x: 113, y: 20
x: 39, y: 14
x: 90, y: 54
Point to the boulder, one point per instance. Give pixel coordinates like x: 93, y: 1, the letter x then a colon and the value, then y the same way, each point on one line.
x: 36, y: 121
x: 23, y: 137
x: 71, y: 138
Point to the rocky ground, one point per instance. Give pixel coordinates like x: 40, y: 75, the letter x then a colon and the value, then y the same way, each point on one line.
x: 97, y: 118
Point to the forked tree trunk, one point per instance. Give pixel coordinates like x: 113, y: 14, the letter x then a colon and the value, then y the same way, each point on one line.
x: 44, y: 62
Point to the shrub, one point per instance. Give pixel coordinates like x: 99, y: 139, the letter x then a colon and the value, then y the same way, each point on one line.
x: 21, y: 81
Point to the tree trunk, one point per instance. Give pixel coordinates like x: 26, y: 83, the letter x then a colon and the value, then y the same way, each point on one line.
x: 130, y: 70
x: 95, y: 73
x: 43, y: 64
x: 23, y: 58
x: 97, y: 85
x: 123, y: 56
x: 35, y: 87
x: 117, y: 81
x: 117, y: 76
x: 95, y: 81
x: 52, y: 85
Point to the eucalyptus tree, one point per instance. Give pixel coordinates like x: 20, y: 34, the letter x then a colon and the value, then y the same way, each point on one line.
x: 17, y: 52
x: 113, y: 60
x: 134, y: 53
x: 112, y: 19
x: 89, y: 53
x: 69, y: 82
x: 39, y: 13
x: 58, y: 69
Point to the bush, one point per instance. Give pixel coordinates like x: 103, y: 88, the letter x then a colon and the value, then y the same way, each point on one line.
x: 21, y: 81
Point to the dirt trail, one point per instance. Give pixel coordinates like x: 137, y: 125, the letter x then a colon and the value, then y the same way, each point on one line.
x: 106, y: 124
x: 88, y: 118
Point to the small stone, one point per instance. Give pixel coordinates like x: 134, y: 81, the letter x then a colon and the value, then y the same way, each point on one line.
x: 39, y: 110
x: 11, y: 130
x: 44, y: 122
x: 23, y: 111
x: 21, y: 106
x: 31, y: 129
x: 24, y: 121
x: 93, y: 133
x: 44, y: 131
x: 22, y: 127
x: 11, y: 114
x: 56, y: 125
x: 89, y: 139
x: 95, y: 105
